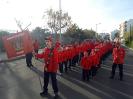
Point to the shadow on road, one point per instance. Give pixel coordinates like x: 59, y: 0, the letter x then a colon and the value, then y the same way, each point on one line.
x: 100, y: 88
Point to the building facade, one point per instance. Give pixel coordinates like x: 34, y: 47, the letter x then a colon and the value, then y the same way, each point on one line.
x: 112, y: 35
x: 125, y: 27
x: 105, y: 36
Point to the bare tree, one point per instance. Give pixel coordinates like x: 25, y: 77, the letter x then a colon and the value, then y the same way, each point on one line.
x: 19, y: 24
x: 53, y: 21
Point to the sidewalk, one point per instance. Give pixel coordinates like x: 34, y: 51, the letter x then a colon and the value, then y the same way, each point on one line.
x: 18, y: 81
x: 127, y: 47
x: 4, y: 58
x: 3, y: 55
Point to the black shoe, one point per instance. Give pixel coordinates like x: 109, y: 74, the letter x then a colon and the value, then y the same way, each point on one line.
x: 120, y: 79
x: 82, y: 79
x: 28, y: 66
x: 88, y: 80
x: 43, y: 94
x: 66, y: 71
x: 31, y: 65
x: 56, y: 96
x: 111, y: 77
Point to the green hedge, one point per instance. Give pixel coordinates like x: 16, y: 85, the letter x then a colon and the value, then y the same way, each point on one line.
x: 129, y: 44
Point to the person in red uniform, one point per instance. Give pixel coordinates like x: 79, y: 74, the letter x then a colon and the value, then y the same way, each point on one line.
x: 95, y: 62
x: 60, y: 60
x: 118, y: 59
x: 36, y: 46
x: 50, y: 56
x: 70, y: 56
x: 65, y: 62
x: 86, y: 66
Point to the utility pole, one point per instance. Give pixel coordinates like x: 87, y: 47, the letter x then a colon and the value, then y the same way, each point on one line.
x: 60, y: 10
x: 96, y: 29
x: 131, y: 33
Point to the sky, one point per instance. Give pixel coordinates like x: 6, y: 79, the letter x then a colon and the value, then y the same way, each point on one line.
x: 108, y: 14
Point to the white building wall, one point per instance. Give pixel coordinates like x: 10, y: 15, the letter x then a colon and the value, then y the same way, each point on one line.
x: 130, y: 22
x: 125, y: 27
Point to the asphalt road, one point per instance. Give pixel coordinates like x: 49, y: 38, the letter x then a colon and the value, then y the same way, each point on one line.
x: 19, y: 82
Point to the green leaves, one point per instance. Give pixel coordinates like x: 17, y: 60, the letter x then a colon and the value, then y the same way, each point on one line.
x: 128, y: 36
x: 79, y: 34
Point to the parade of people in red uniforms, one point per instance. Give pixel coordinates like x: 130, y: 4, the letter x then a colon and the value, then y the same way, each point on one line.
x: 87, y: 55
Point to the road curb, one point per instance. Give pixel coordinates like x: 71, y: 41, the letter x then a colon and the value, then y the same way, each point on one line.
x: 127, y: 47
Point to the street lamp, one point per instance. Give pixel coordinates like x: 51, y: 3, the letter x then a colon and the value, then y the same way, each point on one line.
x: 97, y: 28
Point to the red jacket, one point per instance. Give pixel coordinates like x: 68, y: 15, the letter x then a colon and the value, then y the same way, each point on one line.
x: 60, y: 56
x: 50, y: 58
x: 64, y: 55
x: 95, y: 58
x: 118, y: 55
x: 86, y: 63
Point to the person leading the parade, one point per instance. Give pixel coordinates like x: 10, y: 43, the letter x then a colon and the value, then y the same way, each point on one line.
x: 50, y: 56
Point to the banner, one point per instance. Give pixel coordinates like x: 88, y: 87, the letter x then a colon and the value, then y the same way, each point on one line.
x: 18, y: 44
